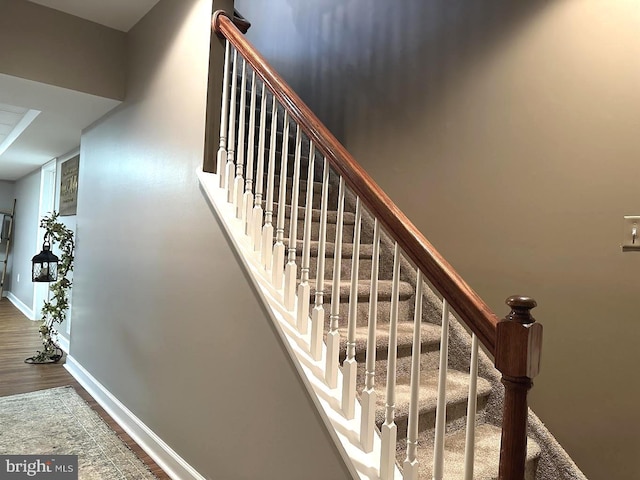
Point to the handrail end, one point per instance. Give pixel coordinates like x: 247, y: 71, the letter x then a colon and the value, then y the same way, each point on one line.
x: 215, y: 22
x: 238, y: 20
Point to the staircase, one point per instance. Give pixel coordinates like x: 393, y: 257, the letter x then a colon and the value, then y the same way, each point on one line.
x: 487, y: 435
x: 434, y: 397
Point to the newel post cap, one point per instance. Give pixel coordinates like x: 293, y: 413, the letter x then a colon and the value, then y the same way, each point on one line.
x: 519, y: 340
x: 521, y: 307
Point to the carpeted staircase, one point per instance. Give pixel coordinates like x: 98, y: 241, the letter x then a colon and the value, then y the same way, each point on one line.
x: 548, y: 459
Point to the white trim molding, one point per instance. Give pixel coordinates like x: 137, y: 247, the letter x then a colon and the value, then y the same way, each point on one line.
x: 20, y: 305
x: 28, y: 117
x: 166, y: 458
x: 344, y: 432
x: 63, y: 342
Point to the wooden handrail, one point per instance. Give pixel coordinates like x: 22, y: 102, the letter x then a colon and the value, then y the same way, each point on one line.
x: 467, y: 304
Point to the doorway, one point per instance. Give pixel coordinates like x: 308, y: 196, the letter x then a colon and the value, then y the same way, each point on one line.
x: 46, y: 206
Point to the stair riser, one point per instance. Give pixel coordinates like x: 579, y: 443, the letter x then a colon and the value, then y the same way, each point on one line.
x: 302, y: 195
x: 429, y: 360
x: 385, y: 267
x: 456, y: 411
x: 486, y: 455
x: 304, y: 151
x: 316, y: 204
x: 304, y: 166
x: 347, y: 230
x: 364, y: 270
x: 405, y: 310
x: 302, y: 198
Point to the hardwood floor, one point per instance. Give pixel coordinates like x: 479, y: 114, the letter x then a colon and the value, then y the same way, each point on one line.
x: 19, y: 339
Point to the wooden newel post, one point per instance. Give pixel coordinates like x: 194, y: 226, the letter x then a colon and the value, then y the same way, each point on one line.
x: 518, y: 346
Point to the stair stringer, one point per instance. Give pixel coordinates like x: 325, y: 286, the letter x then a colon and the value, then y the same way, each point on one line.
x: 343, y: 432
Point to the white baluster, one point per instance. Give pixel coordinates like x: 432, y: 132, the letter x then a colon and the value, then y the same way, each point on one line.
x: 239, y: 181
x: 304, y: 292
x: 441, y: 409
x: 333, y: 337
x: 277, y: 267
x: 350, y: 365
x: 317, y: 315
x: 368, y: 397
x: 389, y: 429
x: 232, y: 130
x: 247, y: 200
x: 410, y: 468
x: 256, y: 220
x: 472, y: 406
x: 291, y: 270
x: 266, y: 251
x: 224, y: 119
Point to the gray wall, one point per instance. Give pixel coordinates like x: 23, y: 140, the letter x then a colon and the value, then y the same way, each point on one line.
x: 7, y: 195
x: 162, y: 314
x: 56, y: 48
x: 508, y: 132
x: 27, y: 194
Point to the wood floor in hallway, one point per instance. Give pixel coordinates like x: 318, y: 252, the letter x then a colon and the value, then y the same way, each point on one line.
x: 19, y: 339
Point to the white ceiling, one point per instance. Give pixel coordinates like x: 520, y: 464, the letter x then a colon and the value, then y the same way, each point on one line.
x: 118, y: 14
x: 10, y: 119
x: 53, y: 132
x: 64, y: 113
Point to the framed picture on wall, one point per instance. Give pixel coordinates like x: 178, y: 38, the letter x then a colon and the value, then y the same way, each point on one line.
x: 69, y: 186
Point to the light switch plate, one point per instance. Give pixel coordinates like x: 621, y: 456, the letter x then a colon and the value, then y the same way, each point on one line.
x: 631, y: 224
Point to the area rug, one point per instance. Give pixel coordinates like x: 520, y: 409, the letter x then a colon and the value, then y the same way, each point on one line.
x: 58, y: 421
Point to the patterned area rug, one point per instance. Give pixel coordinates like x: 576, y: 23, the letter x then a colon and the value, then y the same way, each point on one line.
x: 59, y: 422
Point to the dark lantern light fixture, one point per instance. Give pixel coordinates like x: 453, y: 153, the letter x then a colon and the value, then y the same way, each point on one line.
x: 44, y: 264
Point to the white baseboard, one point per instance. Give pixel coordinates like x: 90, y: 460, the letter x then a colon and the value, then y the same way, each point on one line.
x: 166, y: 458
x: 28, y: 312
x: 63, y: 343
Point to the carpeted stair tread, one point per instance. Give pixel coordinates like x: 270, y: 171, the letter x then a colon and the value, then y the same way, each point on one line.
x: 405, y: 290
x: 487, y: 454
x: 317, y: 185
x: 366, y: 249
x: 457, y: 394
x: 365, y: 257
x: 332, y: 216
x: 429, y: 340
x: 429, y: 348
x: 405, y: 300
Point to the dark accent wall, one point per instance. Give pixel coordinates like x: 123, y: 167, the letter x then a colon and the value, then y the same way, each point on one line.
x: 508, y: 133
